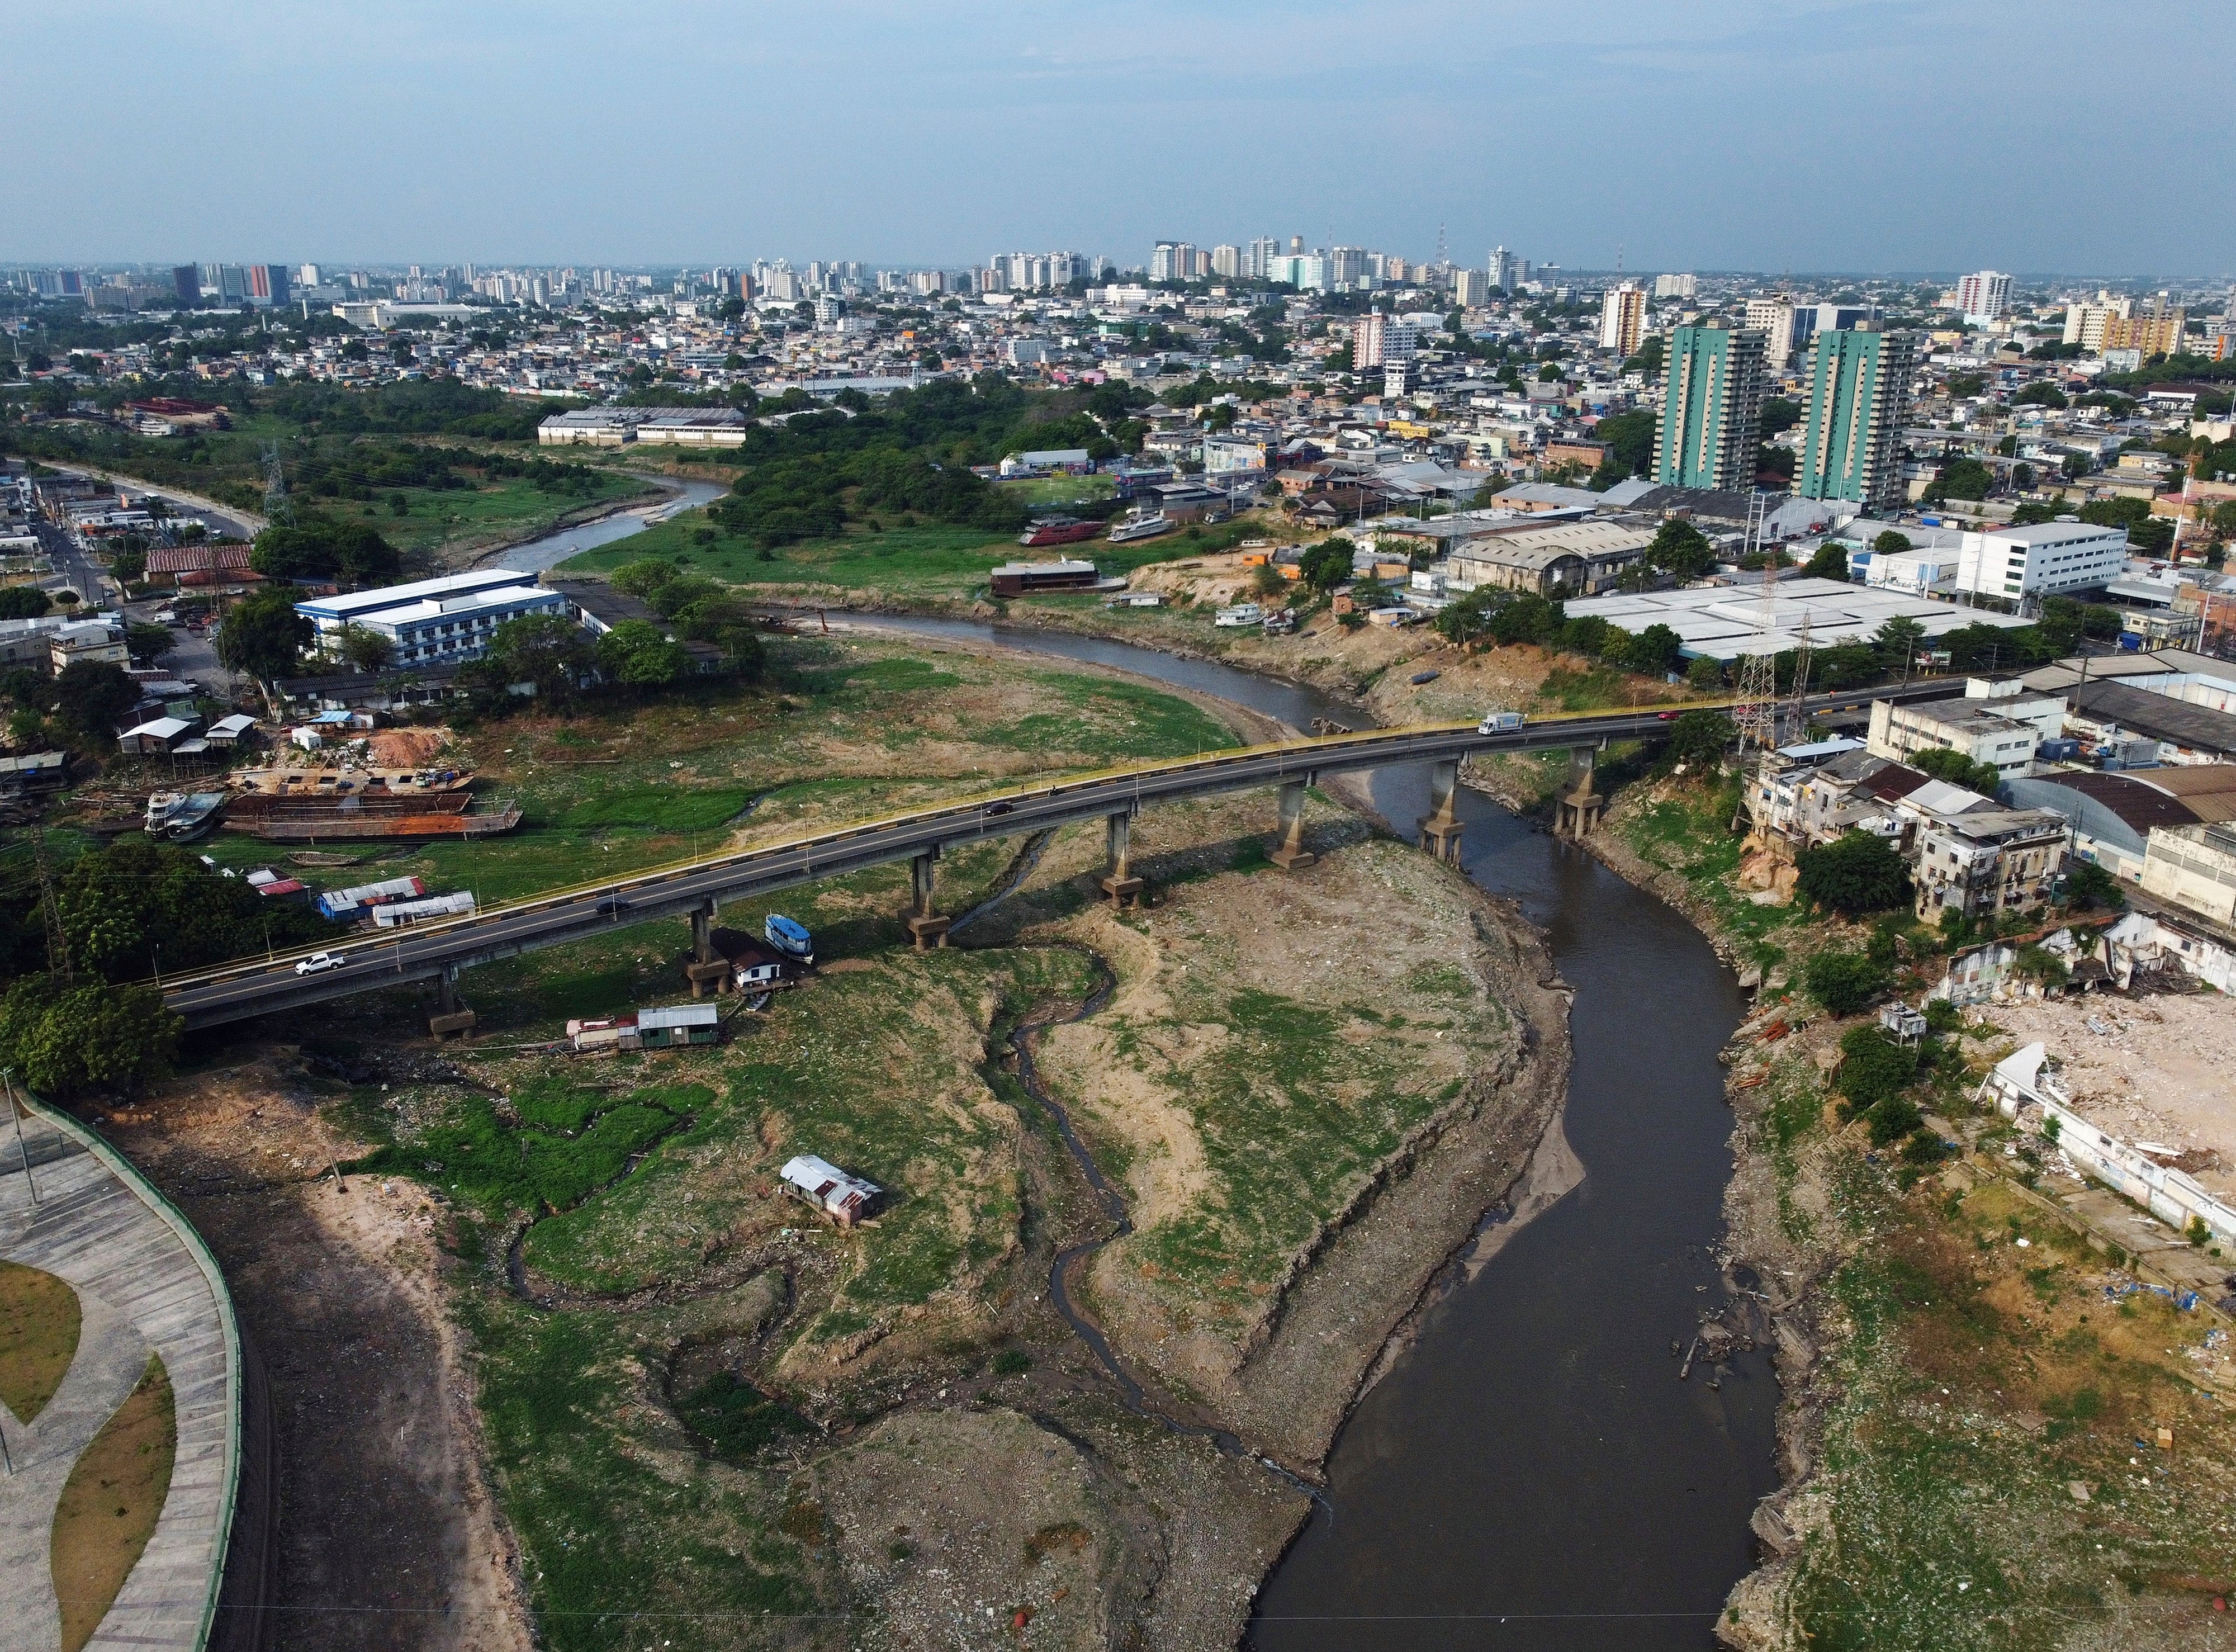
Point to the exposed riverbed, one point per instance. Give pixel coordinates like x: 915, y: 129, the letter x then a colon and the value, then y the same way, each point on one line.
x: 1528, y: 1471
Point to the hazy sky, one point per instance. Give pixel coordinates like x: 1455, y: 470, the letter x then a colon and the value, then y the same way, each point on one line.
x: 1862, y: 135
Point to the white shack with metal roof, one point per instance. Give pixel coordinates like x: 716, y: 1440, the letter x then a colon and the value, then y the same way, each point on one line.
x: 846, y: 1198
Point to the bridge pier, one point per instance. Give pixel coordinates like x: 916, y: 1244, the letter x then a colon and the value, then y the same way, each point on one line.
x: 925, y: 927
x: 1120, y: 882
x: 1577, y: 809
x: 450, y: 1014
x: 705, y: 969
x: 1440, y: 827
x: 1289, y: 854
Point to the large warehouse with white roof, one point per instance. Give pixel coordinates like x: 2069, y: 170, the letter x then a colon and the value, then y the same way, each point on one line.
x: 1723, y: 622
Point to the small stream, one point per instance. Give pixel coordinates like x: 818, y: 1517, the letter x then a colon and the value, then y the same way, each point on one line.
x: 534, y: 555
x: 1529, y: 1473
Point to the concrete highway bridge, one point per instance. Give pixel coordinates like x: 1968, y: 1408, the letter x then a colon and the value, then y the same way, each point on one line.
x: 437, y: 952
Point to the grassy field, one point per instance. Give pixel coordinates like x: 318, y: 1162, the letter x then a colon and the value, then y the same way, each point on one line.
x: 39, y: 1323
x: 641, y: 1482
x: 902, y: 562
x: 445, y: 524
x: 1060, y: 489
x: 857, y: 727
x: 110, y: 1504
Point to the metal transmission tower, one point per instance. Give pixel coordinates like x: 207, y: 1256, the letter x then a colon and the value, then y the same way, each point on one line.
x: 276, y: 508
x: 1755, y: 712
x: 58, y: 958
x: 1798, y: 695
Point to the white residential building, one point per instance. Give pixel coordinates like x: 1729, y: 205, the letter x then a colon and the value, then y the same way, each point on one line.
x: 1984, y: 296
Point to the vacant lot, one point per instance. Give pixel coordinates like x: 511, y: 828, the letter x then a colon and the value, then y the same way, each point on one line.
x: 2157, y: 1069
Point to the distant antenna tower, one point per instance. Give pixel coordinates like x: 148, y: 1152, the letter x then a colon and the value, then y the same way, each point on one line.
x: 1444, y: 257
x: 276, y: 508
x: 1618, y: 258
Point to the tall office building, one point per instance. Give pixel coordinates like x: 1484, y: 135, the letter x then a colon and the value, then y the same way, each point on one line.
x: 1470, y: 289
x: 1712, y: 412
x: 1347, y: 267
x: 1622, y: 319
x: 1264, y: 249
x: 266, y: 286
x: 1505, y: 270
x: 1226, y: 261
x: 1858, y: 396
x: 186, y: 280
x: 1676, y: 286
x: 1984, y: 296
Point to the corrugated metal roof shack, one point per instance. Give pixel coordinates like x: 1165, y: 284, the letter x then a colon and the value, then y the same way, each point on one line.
x: 846, y: 1198
x: 685, y: 1023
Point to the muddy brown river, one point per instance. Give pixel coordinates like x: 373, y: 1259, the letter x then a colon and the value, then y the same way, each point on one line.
x: 1529, y: 1473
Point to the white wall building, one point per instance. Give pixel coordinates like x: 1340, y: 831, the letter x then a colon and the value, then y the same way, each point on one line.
x: 1984, y: 296
x: 2049, y: 559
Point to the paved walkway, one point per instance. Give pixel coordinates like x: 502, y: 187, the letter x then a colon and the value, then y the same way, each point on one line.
x: 142, y: 1288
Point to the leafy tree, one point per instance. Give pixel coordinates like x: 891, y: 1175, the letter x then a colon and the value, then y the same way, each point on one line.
x: 2040, y: 394
x: 63, y: 1042
x: 1964, y: 478
x: 1705, y: 674
x: 1678, y: 548
x: 1958, y: 770
x: 263, y: 635
x: 549, y: 650
x: 1853, y: 874
x: 1898, y: 638
x: 1831, y: 561
x: 120, y: 904
x: 23, y: 602
x: 316, y: 547
x: 366, y: 650
x: 1698, y: 739
x: 148, y: 643
x: 2089, y: 885
x: 1778, y: 416
x: 2147, y: 535
x: 1844, y: 982
x: 91, y: 696
x: 1873, y: 1068
x: 1891, y: 542
x: 1655, y: 650
x: 130, y: 560
x: 1630, y: 438
x: 1326, y: 565
x: 637, y: 654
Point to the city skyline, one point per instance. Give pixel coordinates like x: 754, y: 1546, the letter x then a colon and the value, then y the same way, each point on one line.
x: 657, y: 138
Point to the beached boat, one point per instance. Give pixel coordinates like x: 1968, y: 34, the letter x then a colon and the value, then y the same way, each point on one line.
x: 180, y: 817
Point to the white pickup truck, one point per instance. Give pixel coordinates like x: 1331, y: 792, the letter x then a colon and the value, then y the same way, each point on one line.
x: 1499, y: 722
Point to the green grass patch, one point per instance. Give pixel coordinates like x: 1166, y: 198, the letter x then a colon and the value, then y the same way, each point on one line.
x: 565, y: 1144
x: 40, y: 1319
x: 622, y: 1548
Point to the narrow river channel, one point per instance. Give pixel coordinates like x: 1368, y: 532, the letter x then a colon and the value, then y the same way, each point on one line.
x: 1530, y: 1473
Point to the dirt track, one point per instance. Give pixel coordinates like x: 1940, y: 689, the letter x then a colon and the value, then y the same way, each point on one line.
x: 387, y: 1534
